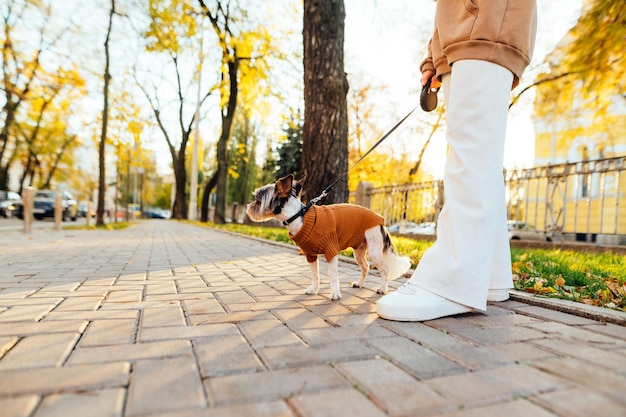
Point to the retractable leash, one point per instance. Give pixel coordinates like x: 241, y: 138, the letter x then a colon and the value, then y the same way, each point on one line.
x: 324, y: 193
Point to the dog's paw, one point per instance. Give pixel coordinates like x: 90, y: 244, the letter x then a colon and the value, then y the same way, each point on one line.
x: 355, y: 285
x: 335, y: 296
x: 381, y: 291
x: 312, y: 290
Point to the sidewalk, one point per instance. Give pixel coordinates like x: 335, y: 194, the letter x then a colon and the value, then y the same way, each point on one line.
x: 169, y: 319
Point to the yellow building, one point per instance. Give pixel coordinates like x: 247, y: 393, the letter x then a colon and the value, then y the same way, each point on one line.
x: 578, y: 188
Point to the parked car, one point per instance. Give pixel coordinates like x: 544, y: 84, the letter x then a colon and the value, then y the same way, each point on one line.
x: 396, y: 227
x: 44, y: 205
x: 8, y: 200
x: 156, y: 214
x: 519, y: 230
x: 410, y: 228
x: 426, y: 228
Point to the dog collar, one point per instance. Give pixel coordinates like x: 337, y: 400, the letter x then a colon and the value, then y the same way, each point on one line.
x: 300, y: 213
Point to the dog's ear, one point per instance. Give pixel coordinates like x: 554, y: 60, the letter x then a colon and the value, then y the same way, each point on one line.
x: 299, y: 185
x: 284, y: 185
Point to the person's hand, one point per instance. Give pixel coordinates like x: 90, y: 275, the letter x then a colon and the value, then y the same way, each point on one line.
x: 430, y: 75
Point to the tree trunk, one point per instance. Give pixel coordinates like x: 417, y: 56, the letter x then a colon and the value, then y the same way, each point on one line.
x: 105, y: 119
x: 179, y: 209
x: 206, y: 195
x: 325, y: 131
x: 222, y: 145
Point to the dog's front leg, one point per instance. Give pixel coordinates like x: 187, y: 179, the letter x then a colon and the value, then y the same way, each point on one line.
x: 315, y: 278
x: 333, y: 274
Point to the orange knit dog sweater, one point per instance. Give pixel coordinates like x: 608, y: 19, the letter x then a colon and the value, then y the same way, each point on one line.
x: 330, y: 229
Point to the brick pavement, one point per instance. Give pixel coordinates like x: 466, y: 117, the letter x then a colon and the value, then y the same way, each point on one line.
x: 169, y: 319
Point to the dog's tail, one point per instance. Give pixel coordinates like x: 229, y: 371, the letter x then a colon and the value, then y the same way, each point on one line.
x: 397, y: 265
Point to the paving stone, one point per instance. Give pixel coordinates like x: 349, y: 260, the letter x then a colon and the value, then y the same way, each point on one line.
x: 500, y: 335
x: 301, y: 355
x: 188, y: 332
x: 300, y: 319
x: 579, y: 334
x: 495, y: 385
x: 580, y: 403
x: 264, y: 333
x: 518, y: 352
x: 329, y: 334
x: 6, y: 343
x: 348, y: 402
x: 20, y: 302
x: 42, y: 327
x: 162, y: 317
x: 261, y: 409
x: 421, y: 361
x: 26, y: 313
x: 21, y: 406
x: 49, y: 380
x: 227, y: 354
x: 92, y: 315
x: 587, y: 375
x: 395, y: 390
x: 228, y: 317
x: 109, y: 332
x: 603, y: 358
x: 105, y: 403
x: 353, y: 319
x: 272, y: 385
x: 39, y: 351
x: 202, y: 306
x: 422, y: 333
x: 516, y: 408
x: 473, y: 357
x: 554, y: 315
x: 79, y: 303
x: 164, y: 384
x: 608, y: 329
x: 123, y: 296
x: 130, y: 352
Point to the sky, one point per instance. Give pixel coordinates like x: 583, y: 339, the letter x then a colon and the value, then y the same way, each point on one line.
x: 386, y: 40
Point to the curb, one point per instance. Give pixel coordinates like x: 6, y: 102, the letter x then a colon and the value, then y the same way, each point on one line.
x: 571, y: 307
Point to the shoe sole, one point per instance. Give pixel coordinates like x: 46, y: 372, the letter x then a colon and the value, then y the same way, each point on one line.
x: 498, y: 295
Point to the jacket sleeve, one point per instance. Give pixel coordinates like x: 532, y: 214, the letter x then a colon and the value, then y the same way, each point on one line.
x: 427, y: 63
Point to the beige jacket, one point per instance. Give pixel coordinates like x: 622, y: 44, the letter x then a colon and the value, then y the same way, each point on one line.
x: 498, y: 31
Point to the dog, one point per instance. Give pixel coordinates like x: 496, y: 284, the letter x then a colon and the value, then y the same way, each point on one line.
x: 327, y: 230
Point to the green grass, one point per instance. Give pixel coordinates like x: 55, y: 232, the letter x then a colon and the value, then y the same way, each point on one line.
x: 591, y: 278
x: 108, y: 226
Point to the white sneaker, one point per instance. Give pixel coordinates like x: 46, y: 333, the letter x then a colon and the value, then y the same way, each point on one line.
x: 498, y: 295
x: 411, y: 303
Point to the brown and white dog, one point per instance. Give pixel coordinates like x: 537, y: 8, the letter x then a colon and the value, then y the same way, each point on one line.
x: 328, y: 230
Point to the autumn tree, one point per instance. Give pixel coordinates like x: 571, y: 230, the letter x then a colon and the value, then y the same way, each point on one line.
x: 21, y: 67
x: 172, y: 36
x: 578, y: 94
x: 592, y: 54
x: 325, y: 131
x: 45, y: 141
x: 244, y: 64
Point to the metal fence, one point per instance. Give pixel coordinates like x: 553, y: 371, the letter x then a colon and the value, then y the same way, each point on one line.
x: 583, y: 201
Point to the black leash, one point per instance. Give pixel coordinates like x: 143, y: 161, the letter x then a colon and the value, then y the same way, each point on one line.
x: 324, y: 193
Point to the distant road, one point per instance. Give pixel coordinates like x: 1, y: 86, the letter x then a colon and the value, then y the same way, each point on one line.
x: 47, y: 223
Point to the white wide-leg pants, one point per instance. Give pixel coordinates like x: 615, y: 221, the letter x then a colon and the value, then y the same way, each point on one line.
x: 472, y: 253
